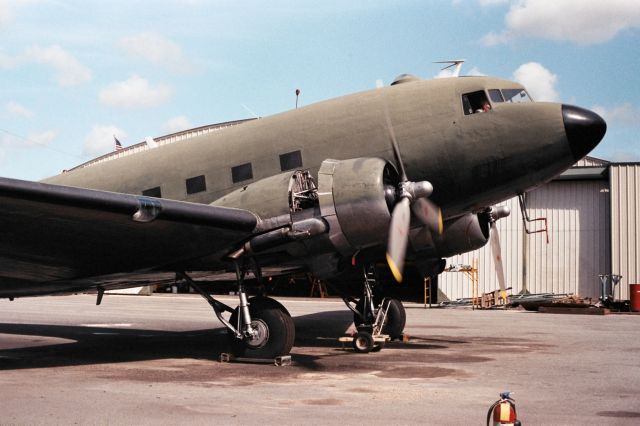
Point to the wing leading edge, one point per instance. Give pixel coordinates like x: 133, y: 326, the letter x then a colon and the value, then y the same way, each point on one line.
x: 52, y: 236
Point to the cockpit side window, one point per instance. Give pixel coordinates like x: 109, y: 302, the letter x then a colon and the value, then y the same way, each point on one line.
x: 475, y: 102
x: 495, y: 95
x: 516, y: 95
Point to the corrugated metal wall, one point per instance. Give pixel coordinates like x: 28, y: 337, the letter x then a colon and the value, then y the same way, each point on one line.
x: 625, y: 208
x: 578, y: 249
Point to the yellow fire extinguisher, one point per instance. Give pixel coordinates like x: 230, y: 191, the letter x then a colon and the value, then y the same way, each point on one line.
x: 503, y: 412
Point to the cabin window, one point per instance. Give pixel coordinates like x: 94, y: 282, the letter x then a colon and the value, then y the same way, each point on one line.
x: 495, y: 95
x: 196, y: 184
x: 516, y: 95
x: 475, y: 102
x: 290, y: 160
x: 241, y: 172
x: 152, y: 192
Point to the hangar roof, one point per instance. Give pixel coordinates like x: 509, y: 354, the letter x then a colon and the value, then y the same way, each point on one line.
x: 589, y: 168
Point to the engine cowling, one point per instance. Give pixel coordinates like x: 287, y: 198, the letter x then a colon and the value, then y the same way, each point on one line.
x: 460, y: 235
x: 356, y: 197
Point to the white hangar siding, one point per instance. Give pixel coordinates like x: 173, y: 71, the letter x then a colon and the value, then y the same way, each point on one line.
x: 579, y: 249
x: 625, y: 224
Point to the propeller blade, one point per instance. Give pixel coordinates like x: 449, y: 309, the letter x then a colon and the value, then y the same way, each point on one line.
x: 394, y: 145
x: 398, y: 238
x: 496, y: 251
x: 429, y: 214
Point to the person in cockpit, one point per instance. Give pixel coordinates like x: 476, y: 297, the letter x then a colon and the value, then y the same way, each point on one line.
x: 486, y: 106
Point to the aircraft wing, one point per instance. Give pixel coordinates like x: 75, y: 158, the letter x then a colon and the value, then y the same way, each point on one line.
x: 52, y: 235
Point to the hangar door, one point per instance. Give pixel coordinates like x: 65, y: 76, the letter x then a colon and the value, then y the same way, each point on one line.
x: 578, y: 249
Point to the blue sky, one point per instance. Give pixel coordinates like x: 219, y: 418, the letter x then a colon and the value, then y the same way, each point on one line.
x: 72, y: 73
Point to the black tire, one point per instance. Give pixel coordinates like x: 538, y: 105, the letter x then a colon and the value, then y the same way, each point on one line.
x: 363, y: 342
x: 396, y: 319
x: 263, y: 302
x: 276, y: 329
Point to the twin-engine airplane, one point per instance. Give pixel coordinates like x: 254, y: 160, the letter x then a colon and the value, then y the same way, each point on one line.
x: 411, y: 169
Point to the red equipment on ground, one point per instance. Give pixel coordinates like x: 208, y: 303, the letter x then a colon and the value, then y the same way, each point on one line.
x: 503, y: 412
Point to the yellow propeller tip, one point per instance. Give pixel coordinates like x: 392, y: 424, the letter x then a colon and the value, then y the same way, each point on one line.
x: 394, y: 269
x: 440, y: 222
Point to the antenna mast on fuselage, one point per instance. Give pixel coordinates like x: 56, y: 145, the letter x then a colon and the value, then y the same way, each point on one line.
x: 457, y: 63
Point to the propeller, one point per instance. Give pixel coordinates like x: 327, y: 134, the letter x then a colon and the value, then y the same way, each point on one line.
x: 412, y: 198
x: 496, y: 213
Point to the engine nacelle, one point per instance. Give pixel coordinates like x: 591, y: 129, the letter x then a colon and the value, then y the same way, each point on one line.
x: 461, y: 234
x: 355, y: 197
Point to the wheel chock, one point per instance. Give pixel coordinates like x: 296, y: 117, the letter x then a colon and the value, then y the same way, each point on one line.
x: 379, y: 341
x: 225, y: 357
x: 282, y: 361
x: 279, y: 361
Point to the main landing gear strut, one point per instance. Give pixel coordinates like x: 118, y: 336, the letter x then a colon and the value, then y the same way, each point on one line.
x: 260, y: 327
x: 376, y: 320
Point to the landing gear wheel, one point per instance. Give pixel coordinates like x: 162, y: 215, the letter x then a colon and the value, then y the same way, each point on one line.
x: 274, y: 330
x: 363, y: 342
x: 396, y: 319
x: 394, y: 323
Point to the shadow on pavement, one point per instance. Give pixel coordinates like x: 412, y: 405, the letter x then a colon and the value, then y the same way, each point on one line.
x: 316, y: 346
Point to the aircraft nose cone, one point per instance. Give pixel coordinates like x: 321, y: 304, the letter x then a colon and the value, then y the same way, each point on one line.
x: 584, y: 129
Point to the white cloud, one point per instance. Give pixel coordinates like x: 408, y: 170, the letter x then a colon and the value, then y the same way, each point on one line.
x: 8, y: 62
x: 157, y: 49
x: 10, y: 140
x: 32, y: 140
x: 176, y: 124
x: 69, y: 71
x: 492, y: 2
x: 446, y: 73
x: 43, y: 138
x: 578, y: 21
x: 625, y: 114
x: 494, y: 39
x: 16, y: 109
x: 539, y: 81
x: 475, y: 72
x: 136, y: 92
x: 5, y: 13
x: 8, y: 7
x: 100, y: 140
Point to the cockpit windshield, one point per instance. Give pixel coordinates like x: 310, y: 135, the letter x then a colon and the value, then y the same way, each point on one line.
x: 478, y: 101
x: 516, y: 95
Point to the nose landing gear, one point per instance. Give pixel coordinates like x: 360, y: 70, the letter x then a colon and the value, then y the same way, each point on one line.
x: 376, y: 323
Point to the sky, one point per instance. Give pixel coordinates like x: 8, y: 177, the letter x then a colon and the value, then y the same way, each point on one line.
x: 75, y: 73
